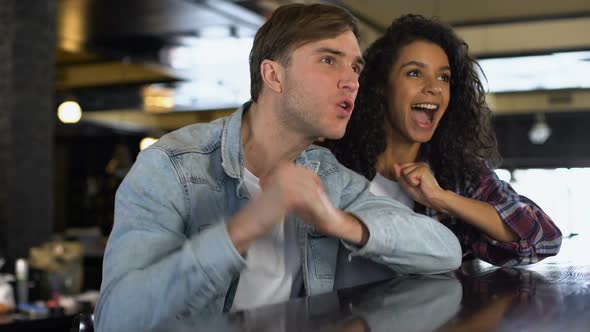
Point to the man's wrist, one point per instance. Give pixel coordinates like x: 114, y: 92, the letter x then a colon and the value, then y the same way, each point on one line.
x: 352, y: 229
x: 246, y: 226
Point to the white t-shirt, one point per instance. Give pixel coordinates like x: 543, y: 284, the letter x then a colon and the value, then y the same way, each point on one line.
x: 272, y: 263
x: 382, y: 186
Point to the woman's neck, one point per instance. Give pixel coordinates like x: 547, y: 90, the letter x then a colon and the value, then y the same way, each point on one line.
x: 396, y: 152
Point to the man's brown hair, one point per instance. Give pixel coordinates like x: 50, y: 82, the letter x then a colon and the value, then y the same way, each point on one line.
x: 292, y: 26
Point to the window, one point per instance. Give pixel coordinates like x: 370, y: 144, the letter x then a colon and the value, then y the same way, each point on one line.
x: 562, y: 193
x: 563, y: 70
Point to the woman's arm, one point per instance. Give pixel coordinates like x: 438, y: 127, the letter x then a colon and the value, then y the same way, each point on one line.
x: 419, y: 182
x: 514, y: 229
x: 481, y: 215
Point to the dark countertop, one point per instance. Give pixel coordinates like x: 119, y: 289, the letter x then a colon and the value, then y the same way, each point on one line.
x: 553, y: 295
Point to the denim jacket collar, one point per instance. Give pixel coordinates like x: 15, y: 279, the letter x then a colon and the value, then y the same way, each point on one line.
x: 232, y: 158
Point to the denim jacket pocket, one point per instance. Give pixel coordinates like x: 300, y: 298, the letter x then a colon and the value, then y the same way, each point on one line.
x: 312, y: 233
x: 323, y: 254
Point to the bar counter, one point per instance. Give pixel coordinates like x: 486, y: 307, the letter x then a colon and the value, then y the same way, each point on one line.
x: 553, y: 295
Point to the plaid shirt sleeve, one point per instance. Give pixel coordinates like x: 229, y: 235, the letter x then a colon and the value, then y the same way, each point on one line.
x: 538, y: 236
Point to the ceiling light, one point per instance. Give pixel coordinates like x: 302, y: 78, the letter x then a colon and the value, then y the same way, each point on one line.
x: 69, y: 112
x: 540, y: 131
x: 147, y: 141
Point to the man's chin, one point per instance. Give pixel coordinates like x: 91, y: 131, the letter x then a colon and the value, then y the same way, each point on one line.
x: 333, y: 136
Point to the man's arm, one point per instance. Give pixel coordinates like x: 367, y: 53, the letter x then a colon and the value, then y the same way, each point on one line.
x: 405, y: 241
x: 151, y: 270
x: 351, y: 230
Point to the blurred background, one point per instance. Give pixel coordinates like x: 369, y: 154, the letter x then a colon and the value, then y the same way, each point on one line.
x: 86, y: 84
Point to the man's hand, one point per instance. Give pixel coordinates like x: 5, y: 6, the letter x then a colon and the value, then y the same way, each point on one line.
x: 287, y: 189
x: 292, y: 189
x: 300, y: 191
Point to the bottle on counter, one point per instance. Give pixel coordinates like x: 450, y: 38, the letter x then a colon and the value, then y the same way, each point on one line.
x: 22, y: 281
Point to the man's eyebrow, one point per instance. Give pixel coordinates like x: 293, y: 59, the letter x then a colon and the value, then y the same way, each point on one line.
x: 359, y: 60
x: 329, y: 50
x: 422, y: 65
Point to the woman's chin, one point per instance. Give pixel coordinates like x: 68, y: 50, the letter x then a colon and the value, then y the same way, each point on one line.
x: 422, y: 136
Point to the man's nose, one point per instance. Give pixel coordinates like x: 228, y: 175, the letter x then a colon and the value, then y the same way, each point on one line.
x: 350, y: 81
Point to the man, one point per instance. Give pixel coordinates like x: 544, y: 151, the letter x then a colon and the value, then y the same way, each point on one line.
x: 196, y: 232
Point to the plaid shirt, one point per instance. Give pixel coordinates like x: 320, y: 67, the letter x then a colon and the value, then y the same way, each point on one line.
x: 538, y: 236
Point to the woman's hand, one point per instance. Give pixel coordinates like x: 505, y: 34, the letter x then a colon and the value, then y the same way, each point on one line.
x: 420, y: 184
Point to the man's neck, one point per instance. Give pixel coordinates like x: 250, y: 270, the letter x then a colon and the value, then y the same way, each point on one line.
x: 266, y: 141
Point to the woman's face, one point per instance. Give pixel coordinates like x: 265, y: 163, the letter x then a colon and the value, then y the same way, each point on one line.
x: 418, y: 91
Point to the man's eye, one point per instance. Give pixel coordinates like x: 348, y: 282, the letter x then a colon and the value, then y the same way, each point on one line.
x: 328, y: 60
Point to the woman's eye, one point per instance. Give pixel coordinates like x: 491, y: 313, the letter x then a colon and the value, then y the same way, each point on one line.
x: 445, y: 78
x: 413, y: 73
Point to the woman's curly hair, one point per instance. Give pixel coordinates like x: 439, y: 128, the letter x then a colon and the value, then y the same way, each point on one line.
x: 464, y: 138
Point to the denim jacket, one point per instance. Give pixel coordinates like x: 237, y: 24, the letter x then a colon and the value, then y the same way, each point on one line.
x: 170, y: 255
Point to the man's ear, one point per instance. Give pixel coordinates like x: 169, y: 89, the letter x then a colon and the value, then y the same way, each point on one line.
x: 272, y: 73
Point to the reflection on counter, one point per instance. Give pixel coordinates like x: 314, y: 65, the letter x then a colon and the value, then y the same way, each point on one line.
x: 399, y: 304
x: 553, y: 295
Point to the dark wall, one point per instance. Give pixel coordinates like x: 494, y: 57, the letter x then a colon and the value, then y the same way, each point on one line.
x: 90, y: 163
x: 27, y: 49
x: 568, y: 145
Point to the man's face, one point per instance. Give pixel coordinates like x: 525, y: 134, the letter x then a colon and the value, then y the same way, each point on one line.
x: 320, y: 86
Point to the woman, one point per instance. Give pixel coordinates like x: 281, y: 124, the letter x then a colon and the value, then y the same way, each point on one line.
x: 421, y: 132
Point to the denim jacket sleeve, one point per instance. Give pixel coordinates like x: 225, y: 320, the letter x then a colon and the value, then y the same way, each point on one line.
x: 152, y: 270
x: 405, y: 241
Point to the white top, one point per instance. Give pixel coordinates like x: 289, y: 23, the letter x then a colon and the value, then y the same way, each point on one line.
x: 382, y: 186
x: 272, y: 262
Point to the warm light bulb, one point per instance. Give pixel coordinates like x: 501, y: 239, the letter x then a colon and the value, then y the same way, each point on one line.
x: 69, y: 112
x: 540, y: 131
x: 147, y: 141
